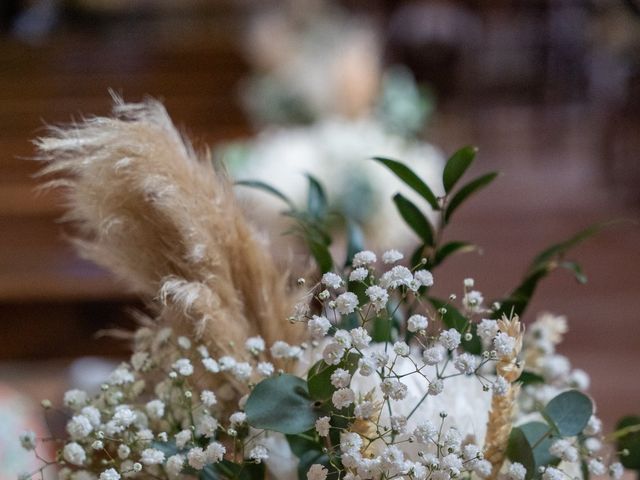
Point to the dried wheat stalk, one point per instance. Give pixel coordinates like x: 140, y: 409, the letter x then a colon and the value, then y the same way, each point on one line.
x: 503, y: 406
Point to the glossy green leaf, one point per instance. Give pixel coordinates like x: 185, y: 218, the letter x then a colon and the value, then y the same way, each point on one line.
x: 316, y: 199
x: 304, y: 442
x: 319, y: 376
x: 407, y: 175
x: 466, y: 191
x: 321, y: 255
x: 456, y: 166
x: 451, y: 248
x: 282, y: 404
x: 519, y: 450
x: 569, y: 412
x: 414, y: 218
x: 257, y: 184
x: 454, y: 319
x: 529, y: 445
x: 355, y: 240
x: 628, y: 437
x: 227, y: 470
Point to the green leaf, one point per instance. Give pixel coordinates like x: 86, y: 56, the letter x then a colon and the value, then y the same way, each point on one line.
x: 576, y: 269
x: 418, y: 255
x: 355, y: 240
x: 382, y: 329
x: 456, y: 166
x: 281, y: 404
x: 304, y: 442
x: 321, y: 255
x: 518, y: 300
x: 407, y: 175
x: 317, y: 199
x: 319, y: 376
x: 628, y: 435
x: 227, y: 470
x: 257, y: 184
x: 569, y: 412
x: 529, y: 378
x: 450, y: 248
x: 414, y: 218
x: 308, y: 459
x: 454, y: 319
x: 519, y: 450
x: 466, y: 191
x: 529, y: 445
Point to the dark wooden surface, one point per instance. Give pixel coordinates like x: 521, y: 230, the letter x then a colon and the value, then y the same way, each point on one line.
x: 553, y: 184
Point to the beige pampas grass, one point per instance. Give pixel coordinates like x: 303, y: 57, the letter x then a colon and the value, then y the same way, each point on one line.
x: 164, y: 219
x: 503, y: 406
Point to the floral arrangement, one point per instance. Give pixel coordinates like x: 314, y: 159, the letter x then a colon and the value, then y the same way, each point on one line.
x: 355, y: 372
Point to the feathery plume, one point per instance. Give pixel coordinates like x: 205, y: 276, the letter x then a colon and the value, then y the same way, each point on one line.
x: 164, y: 219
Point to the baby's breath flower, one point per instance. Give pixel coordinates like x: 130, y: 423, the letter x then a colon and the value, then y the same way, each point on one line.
x: 563, y: 449
x: 394, y: 389
x: 340, y: 378
x: 182, y: 438
x: 366, y: 366
x: 208, y: 398
x: 596, y: 467
x: 75, y: 399
x: 401, y: 349
x: 424, y: 278
x: 342, y: 398
x: 237, y: 418
x: 417, y: 323
x: 594, y: 426
x: 121, y: 376
x: 398, y: 423
x: 174, y: 465
x: 79, y: 427
x: 450, y: 339
x: 504, y: 344
x: 378, y: 297
x: 318, y: 326
x: 242, y: 371
x: 360, y: 337
x: 358, y: 275
x: 346, y: 303
x: 323, y: 426
x: 155, y: 409
x: 97, y: 445
x: 110, y: 474
x: 152, y: 456
x: 364, y: 409
x: 482, y: 468
x: 324, y: 295
x: 487, y: 330
x: 183, y: 367
x: 364, y: 258
x: 466, y: 363
x: 551, y: 473
x: 425, y: 431
x: 74, y: 453
x: 616, y: 470
x: 202, y: 350
x: 207, y: 426
x: 215, y: 452
x: 197, y: 458
x: 317, y: 472
x: 435, y: 387
x: 434, y: 355
x: 258, y: 454
x: 255, y: 345
x: 516, y: 471
x: 265, y: 369
x: 333, y: 353
x: 392, y: 256
x: 396, y: 277
x: 184, y: 343
x: 350, y: 442
x: 592, y: 444
x: 280, y: 349
x: 500, y: 386
x: 343, y: 338
x: 473, y: 300
x: 124, y: 416
x: 210, y: 365
x: 332, y: 280
x: 28, y: 440
x: 123, y: 451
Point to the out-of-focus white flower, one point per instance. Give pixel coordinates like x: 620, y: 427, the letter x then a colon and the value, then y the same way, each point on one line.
x: 74, y: 453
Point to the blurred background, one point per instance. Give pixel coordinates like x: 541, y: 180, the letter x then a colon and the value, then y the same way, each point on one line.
x: 549, y: 91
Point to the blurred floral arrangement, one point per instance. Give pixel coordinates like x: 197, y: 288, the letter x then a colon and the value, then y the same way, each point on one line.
x: 322, y: 104
x: 354, y: 372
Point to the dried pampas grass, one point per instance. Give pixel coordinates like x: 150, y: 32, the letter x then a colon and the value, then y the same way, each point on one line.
x: 165, y: 220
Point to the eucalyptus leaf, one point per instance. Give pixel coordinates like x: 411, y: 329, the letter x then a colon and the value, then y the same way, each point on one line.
x: 466, y: 191
x: 456, y: 166
x: 257, y: 184
x: 569, y: 412
x: 529, y: 445
x: 407, y: 175
x: 628, y: 435
x: 414, y: 218
x: 282, y: 404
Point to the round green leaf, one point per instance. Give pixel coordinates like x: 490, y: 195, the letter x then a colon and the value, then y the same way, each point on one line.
x: 569, y: 412
x: 319, y: 377
x: 281, y: 404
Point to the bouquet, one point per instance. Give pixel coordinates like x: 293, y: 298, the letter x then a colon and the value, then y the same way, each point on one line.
x: 354, y: 371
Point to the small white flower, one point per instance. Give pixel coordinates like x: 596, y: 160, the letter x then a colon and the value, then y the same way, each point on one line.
x: 206, y: 426
x: 392, y: 256
x: 397, y: 277
x: 361, y: 259
x: 592, y: 444
x: 79, y: 427
x: 424, y: 278
x: 318, y: 326
x: 346, y: 303
x: 401, y: 349
x: 434, y: 355
x: 360, y: 337
x: 466, y: 363
x: 280, y: 349
x: 482, y: 468
x: 579, y: 379
x: 500, y: 386
x: 563, y: 449
x: 504, y: 344
x: 174, y: 465
x: 333, y: 353
x: 473, y: 300
x: 516, y: 472
x: 259, y: 453
x: 197, y: 458
x: 469, y: 282
x: 123, y: 451
x: 208, y: 398
x: 343, y: 338
x: 121, y: 376
x: 425, y: 431
x: 364, y: 410
x: 74, y: 453
x: 124, y: 416
x: 450, y: 339
x: 358, y: 275
x: 155, y: 409
x: 398, y: 423
x: 323, y: 426
x: 237, y: 418
x: 417, y: 323
x: 342, y: 398
x: 350, y: 442
x: 75, y: 399
x: 215, y: 452
x: 487, y: 330
x: 435, y: 387
x: 204, y: 353
x: 340, y: 378
x: 551, y: 473
x: 596, y: 467
x: 317, y: 472
x: 184, y: 343
x: 182, y: 438
x: 378, y: 297
x: 97, y: 445
x: 92, y: 414
x: 453, y: 463
x: 394, y: 389
x: 110, y: 474
x: 210, y: 365
x: 183, y: 367
x: 254, y: 345
x: 28, y: 440
x: 332, y: 280
x: 366, y: 366
x: 265, y: 369
x: 594, y: 426
x: 242, y: 371
x: 616, y: 470
x: 151, y: 456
